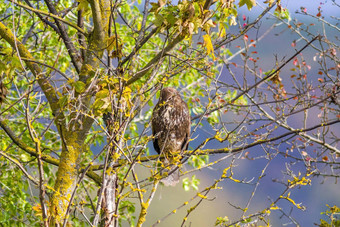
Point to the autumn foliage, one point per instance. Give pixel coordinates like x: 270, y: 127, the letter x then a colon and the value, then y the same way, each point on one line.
x: 260, y: 79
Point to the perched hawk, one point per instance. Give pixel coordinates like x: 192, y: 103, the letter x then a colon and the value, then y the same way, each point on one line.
x: 170, y: 129
x: 3, y: 93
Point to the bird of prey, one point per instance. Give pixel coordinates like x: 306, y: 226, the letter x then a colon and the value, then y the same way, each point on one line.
x: 171, y: 130
x: 3, y: 93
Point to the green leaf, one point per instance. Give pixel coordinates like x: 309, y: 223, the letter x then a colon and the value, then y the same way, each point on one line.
x: 102, y: 94
x: 195, y: 182
x: 221, y: 221
x: 171, y: 19
x: 250, y: 3
x: 246, y: 220
x: 198, y: 161
x: 229, y: 52
x: 283, y: 14
x: 24, y: 157
x: 63, y: 100
x: 158, y: 20
x: 79, y: 86
x: 186, y: 184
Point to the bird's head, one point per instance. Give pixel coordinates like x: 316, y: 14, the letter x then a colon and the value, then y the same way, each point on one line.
x: 167, y: 93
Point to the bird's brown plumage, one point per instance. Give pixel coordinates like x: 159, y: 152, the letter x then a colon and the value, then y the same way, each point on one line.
x: 170, y: 127
x: 3, y: 93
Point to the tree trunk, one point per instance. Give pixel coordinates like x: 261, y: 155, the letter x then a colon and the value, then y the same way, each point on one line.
x: 109, y: 200
x: 66, y: 176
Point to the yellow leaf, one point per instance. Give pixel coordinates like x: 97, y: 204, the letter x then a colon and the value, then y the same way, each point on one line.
x: 111, y: 42
x: 37, y: 209
x: 114, y: 46
x: 115, y: 156
x: 85, y: 7
x: 79, y: 86
x: 222, y: 31
x: 269, y: 2
x: 102, y: 94
x: 127, y: 96
x: 209, y: 46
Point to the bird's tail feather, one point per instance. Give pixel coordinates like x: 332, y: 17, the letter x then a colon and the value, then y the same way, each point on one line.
x: 173, y: 175
x: 172, y: 179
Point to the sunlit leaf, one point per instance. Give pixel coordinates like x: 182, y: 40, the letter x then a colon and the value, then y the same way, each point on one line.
x: 208, y: 45
x: 250, y: 3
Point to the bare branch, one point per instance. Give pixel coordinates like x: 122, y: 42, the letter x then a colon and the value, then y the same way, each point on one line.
x: 268, y: 77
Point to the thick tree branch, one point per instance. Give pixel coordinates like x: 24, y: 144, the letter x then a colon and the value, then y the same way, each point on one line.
x: 74, y: 139
x: 123, y: 162
x: 98, y: 21
x: 97, y: 41
x: 44, y: 84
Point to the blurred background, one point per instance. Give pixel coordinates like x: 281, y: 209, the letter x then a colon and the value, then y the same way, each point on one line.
x: 224, y: 201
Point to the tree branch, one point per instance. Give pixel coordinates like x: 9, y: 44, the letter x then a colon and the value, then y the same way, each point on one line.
x: 262, y: 141
x: 142, y: 42
x: 98, y: 28
x: 55, y: 28
x: 123, y: 162
x: 32, y: 151
x: 45, y: 85
x: 81, y: 37
x: 74, y: 54
x: 286, y: 126
x: 24, y: 146
x: 156, y: 59
x: 37, y: 11
x: 97, y: 41
x: 18, y: 164
x: 163, y: 52
x: 246, y: 29
x: 268, y: 77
